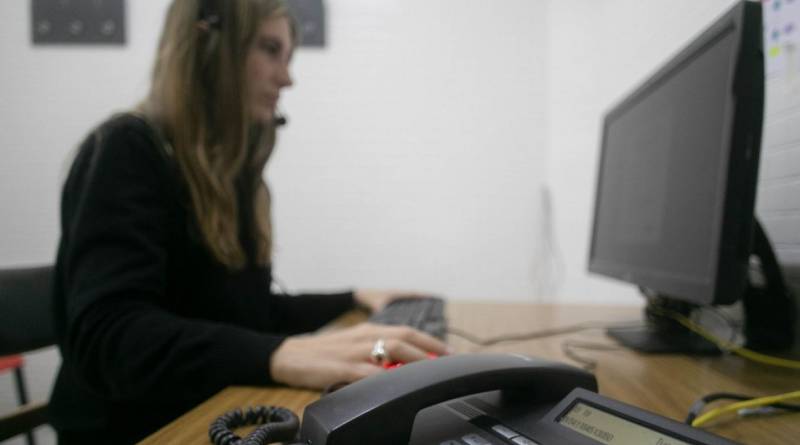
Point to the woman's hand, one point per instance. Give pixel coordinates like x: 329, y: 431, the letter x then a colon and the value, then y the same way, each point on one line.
x: 375, y: 300
x: 317, y: 361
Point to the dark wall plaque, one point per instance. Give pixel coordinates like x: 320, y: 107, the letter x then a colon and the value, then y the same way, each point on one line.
x: 310, y: 15
x: 78, y: 22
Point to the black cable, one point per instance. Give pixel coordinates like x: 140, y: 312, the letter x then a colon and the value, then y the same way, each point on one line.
x: 568, y: 348
x: 698, y: 406
x: 277, y: 425
x: 528, y: 335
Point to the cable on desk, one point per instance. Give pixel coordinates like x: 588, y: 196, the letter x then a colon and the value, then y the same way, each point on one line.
x: 729, y: 346
x: 568, y: 348
x: 534, y: 335
x: 747, y: 404
x: 732, y: 325
x: 700, y: 404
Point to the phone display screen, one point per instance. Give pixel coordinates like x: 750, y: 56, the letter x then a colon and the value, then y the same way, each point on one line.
x: 610, y: 429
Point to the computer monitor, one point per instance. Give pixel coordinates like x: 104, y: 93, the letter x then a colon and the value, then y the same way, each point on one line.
x: 677, y: 181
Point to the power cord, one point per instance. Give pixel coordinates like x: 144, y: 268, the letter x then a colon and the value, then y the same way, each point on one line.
x: 534, y: 335
x: 730, y: 346
x: 568, y: 347
x: 747, y: 406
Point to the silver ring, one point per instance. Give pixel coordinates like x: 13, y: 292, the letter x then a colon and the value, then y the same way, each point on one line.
x: 379, y: 354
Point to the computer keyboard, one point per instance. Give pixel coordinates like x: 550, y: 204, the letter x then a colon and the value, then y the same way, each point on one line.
x: 425, y: 314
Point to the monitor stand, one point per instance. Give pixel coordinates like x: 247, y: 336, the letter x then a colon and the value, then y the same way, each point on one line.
x: 769, y: 314
x: 664, y: 335
x: 769, y: 307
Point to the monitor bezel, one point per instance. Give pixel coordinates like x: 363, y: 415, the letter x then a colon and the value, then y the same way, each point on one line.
x: 743, y: 120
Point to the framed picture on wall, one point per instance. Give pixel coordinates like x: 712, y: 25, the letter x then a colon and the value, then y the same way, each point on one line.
x: 310, y: 15
x: 95, y: 22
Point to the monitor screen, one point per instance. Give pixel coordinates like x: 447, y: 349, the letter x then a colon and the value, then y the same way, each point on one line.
x: 672, y: 180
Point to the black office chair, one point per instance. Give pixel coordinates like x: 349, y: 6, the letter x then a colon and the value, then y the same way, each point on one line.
x: 26, y: 324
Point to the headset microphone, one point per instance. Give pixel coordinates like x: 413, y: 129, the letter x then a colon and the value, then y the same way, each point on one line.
x: 279, y: 119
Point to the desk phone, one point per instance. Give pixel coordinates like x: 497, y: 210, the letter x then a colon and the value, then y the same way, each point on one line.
x: 487, y: 399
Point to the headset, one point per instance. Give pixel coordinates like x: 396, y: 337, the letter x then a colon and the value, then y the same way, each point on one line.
x: 209, y: 17
x: 279, y: 120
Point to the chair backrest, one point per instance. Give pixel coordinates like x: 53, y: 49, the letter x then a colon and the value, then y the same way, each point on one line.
x: 26, y: 309
x: 26, y: 324
x: 23, y: 421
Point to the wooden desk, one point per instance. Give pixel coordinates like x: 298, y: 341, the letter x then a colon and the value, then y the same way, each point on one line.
x: 666, y: 385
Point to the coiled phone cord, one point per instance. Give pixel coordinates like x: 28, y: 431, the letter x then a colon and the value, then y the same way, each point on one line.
x: 279, y: 425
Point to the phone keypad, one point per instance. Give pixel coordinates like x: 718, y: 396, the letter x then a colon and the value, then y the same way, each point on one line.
x: 474, y: 439
x: 497, y: 431
x: 523, y: 441
x: 504, y: 431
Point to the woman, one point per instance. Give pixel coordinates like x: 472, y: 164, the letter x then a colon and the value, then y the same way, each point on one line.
x: 163, y: 271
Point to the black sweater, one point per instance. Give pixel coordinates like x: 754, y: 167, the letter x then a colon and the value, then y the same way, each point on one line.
x: 149, y: 323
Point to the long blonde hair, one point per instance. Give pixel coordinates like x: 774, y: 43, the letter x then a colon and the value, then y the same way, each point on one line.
x: 198, y: 99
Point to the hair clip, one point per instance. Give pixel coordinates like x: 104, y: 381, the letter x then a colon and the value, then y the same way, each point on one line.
x: 206, y: 24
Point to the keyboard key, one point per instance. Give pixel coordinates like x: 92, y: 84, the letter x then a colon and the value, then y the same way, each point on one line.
x: 425, y: 314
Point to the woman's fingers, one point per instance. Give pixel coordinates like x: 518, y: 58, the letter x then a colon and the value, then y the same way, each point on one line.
x: 369, y: 332
x: 400, y: 351
x: 318, y: 360
x: 427, y: 342
x: 405, y: 345
x: 416, y: 338
x: 310, y: 362
x: 362, y: 370
x: 335, y: 371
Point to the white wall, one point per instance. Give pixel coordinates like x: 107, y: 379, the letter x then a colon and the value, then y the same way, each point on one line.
x: 599, y: 51
x: 414, y: 153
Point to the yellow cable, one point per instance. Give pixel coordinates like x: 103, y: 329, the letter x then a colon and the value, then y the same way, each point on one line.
x: 753, y: 403
x: 743, y: 352
x: 732, y: 347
